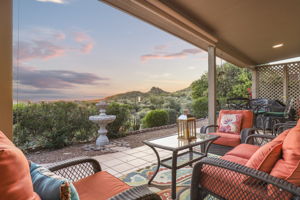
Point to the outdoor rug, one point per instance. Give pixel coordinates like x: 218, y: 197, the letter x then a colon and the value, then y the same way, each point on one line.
x: 162, y: 182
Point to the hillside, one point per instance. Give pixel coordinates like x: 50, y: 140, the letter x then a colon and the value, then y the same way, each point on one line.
x: 132, y: 95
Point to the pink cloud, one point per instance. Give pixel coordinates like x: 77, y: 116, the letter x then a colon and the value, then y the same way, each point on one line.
x: 160, y: 47
x: 38, y: 49
x: 86, y: 42
x: 181, y: 54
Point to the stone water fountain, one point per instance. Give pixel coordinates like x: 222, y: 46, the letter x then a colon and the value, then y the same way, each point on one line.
x: 102, y: 142
x: 102, y: 120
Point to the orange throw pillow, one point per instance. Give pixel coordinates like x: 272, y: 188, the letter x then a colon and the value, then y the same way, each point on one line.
x: 266, y: 156
x: 15, y: 181
x: 288, y: 168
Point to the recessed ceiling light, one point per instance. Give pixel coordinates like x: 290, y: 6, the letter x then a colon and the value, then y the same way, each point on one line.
x: 277, y: 45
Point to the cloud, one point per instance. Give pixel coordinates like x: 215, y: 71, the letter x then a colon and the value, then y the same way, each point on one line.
x: 192, y: 67
x: 160, y: 47
x: 56, y: 79
x: 38, y: 49
x: 181, y: 54
x: 53, y: 1
x: 47, y: 43
x: 85, y: 41
x: 158, y: 76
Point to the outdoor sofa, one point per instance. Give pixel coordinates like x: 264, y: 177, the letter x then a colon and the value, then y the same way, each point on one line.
x: 252, y: 171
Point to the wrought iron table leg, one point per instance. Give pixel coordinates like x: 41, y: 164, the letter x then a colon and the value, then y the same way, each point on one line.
x: 191, y: 155
x: 174, y: 169
x: 158, y: 165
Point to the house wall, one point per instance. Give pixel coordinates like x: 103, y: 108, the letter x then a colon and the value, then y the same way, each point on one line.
x: 6, y: 67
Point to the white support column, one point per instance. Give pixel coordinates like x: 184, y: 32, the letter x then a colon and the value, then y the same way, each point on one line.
x: 285, y: 83
x: 6, y: 67
x: 254, y: 84
x: 212, y: 85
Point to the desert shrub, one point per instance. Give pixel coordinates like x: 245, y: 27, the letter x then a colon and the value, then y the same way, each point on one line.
x: 200, y: 107
x: 122, y: 122
x: 53, y: 125
x: 155, y: 118
x: 172, y: 116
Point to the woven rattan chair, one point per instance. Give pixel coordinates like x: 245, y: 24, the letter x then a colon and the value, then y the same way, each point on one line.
x: 234, y: 181
x: 81, y: 168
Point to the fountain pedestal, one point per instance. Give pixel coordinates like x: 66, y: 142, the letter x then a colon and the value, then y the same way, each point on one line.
x: 102, y: 120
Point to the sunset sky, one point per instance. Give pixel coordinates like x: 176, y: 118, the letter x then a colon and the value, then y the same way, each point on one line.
x: 84, y: 49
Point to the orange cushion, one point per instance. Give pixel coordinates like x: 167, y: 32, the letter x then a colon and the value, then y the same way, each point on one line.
x: 235, y: 159
x: 266, y: 156
x: 247, y: 119
x: 227, y: 139
x: 243, y: 150
x: 288, y: 168
x: 15, y: 181
x: 100, y: 186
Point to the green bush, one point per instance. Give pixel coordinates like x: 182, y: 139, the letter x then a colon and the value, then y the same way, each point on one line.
x: 122, y: 122
x: 155, y: 118
x: 199, y: 107
x: 52, y: 125
x: 172, y: 116
x: 58, y: 124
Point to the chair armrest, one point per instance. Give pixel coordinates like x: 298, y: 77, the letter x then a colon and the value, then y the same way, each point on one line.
x: 203, y: 129
x: 247, y: 181
x: 247, y: 132
x: 76, y: 169
x: 137, y: 193
x: 251, y: 139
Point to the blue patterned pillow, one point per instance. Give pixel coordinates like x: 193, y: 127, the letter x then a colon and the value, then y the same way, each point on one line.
x: 50, y: 186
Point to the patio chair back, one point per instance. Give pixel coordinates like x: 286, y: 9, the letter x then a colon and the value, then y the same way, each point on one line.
x: 288, y: 109
x: 247, y: 121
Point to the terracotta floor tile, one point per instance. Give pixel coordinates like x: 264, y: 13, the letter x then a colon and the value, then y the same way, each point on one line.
x: 138, y: 162
x: 122, y: 167
x: 113, y: 163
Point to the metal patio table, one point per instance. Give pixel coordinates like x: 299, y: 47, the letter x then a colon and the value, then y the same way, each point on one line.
x: 179, y: 160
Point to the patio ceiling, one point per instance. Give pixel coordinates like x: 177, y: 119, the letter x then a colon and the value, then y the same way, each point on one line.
x: 243, y: 32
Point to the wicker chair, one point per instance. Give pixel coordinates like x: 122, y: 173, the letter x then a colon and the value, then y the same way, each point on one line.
x: 229, y: 139
x: 80, y: 168
x: 235, y: 181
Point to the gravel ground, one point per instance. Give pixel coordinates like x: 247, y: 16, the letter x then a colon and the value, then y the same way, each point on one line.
x: 49, y: 156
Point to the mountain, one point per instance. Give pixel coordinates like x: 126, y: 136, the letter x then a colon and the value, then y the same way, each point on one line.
x: 156, y: 91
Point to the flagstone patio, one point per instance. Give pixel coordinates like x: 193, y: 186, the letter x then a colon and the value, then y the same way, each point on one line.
x: 122, y: 163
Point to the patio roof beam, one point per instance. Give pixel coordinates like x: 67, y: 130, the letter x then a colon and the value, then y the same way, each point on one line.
x: 6, y: 99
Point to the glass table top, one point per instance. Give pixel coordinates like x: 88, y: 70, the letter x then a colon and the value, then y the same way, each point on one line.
x: 173, y: 142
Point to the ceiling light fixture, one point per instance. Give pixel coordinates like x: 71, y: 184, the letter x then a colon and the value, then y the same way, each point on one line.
x: 277, y: 45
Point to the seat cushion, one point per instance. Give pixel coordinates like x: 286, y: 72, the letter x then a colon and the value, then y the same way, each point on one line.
x: 247, y: 121
x: 15, y: 181
x: 235, y: 159
x: 266, y: 156
x: 231, y: 123
x: 227, y: 139
x: 100, y: 186
x: 243, y: 150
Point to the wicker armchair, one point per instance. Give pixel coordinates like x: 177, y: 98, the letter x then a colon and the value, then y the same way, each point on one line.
x: 79, y: 168
x: 235, y: 181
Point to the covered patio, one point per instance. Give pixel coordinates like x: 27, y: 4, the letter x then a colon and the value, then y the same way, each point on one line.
x: 248, y: 34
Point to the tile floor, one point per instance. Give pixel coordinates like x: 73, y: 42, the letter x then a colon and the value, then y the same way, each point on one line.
x: 122, y: 163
